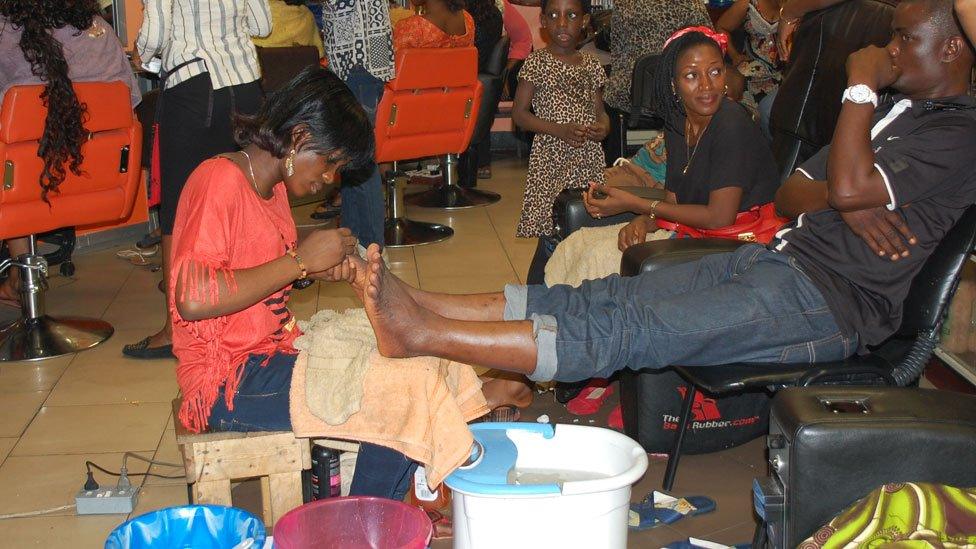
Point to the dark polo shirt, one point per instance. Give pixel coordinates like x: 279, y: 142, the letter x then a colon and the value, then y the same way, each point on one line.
x: 926, y: 155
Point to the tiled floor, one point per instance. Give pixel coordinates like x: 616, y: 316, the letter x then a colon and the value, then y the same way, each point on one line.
x: 56, y: 414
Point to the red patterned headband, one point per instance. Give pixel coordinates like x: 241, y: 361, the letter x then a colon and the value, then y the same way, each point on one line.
x: 720, y: 38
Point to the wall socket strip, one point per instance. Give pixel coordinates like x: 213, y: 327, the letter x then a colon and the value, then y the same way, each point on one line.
x: 106, y: 501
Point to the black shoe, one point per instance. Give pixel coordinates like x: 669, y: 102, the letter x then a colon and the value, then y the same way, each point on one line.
x: 143, y: 351
x: 566, y: 391
x: 148, y: 241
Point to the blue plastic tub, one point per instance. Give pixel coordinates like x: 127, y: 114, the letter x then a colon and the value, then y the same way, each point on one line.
x: 188, y: 526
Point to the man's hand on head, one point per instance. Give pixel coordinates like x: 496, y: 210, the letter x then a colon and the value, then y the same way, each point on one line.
x: 871, y: 66
x: 884, y: 231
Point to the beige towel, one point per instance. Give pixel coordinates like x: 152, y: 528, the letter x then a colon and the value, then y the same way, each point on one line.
x: 417, y: 406
x: 338, y: 345
x: 589, y: 253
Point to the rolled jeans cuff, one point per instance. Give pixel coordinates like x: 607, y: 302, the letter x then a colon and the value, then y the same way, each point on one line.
x: 543, y: 331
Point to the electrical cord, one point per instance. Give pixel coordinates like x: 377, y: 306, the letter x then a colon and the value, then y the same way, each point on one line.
x: 36, y: 513
x: 90, y: 465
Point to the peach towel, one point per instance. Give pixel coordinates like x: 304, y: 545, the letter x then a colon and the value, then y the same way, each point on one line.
x: 417, y: 406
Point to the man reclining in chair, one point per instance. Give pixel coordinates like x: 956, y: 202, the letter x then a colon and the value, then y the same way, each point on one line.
x: 874, y: 205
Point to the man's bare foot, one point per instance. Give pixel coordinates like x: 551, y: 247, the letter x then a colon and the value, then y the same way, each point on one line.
x: 395, y: 316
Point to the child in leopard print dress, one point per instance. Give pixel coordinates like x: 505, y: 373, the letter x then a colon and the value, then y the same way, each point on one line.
x: 564, y: 89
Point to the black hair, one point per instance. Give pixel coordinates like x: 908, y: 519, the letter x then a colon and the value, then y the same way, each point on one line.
x: 455, y: 5
x: 480, y: 10
x: 586, y: 5
x: 668, y: 105
x: 318, y: 101
x: 64, y: 131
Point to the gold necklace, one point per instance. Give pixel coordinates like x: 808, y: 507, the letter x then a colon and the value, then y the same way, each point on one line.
x: 690, y: 152
x: 250, y: 170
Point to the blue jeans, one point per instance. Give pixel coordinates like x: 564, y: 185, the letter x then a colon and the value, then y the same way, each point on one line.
x: 261, y: 404
x: 751, y: 305
x: 362, y: 200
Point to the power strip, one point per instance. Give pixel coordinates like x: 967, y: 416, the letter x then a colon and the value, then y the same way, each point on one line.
x: 106, y: 501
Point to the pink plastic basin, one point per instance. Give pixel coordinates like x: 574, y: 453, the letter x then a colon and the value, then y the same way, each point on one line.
x: 356, y: 522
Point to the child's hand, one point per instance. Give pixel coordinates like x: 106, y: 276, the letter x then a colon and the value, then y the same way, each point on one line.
x: 323, y: 249
x: 597, y: 131
x: 574, y: 134
x: 604, y: 201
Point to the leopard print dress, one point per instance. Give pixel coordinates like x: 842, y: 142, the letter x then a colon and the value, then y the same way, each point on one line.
x: 563, y: 94
x: 639, y: 28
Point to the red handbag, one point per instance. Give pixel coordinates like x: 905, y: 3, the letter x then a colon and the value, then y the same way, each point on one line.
x: 758, y: 224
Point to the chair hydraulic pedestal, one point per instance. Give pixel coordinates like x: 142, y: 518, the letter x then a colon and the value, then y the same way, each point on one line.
x: 102, y: 191
x: 450, y: 195
x: 35, y: 335
x: 399, y: 231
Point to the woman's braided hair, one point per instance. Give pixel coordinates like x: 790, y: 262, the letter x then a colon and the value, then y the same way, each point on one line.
x: 669, y: 106
x: 64, y: 131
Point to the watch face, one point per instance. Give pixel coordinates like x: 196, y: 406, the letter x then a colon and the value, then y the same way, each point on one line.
x: 860, y: 93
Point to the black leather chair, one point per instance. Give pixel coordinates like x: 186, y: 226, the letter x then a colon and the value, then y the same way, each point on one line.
x: 808, y: 102
x: 490, y: 76
x: 899, y: 361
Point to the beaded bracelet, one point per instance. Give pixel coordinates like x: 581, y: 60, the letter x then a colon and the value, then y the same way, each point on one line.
x: 301, y: 264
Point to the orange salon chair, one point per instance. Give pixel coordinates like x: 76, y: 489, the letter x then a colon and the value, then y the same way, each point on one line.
x: 104, y: 192
x: 429, y: 109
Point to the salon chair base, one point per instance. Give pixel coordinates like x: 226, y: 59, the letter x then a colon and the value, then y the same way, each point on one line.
x: 401, y: 232
x: 49, y: 337
x: 452, y: 197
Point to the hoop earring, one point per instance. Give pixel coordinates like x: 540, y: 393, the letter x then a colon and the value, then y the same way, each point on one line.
x: 726, y: 92
x: 290, y: 164
x: 674, y: 93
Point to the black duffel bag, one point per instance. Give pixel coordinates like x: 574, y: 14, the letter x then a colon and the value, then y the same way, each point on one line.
x: 651, y: 401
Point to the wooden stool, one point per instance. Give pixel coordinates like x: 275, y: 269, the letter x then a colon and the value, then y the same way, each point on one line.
x: 213, y: 460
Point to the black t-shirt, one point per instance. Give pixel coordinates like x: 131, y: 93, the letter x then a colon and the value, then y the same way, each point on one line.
x: 926, y: 156
x: 487, y: 32
x: 731, y: 153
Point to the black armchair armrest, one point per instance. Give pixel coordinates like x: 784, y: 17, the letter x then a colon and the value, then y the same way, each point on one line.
x: 570, y: 213
x: 658, y: 254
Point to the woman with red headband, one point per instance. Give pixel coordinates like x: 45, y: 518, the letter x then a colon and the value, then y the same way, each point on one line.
x: 718, y: 163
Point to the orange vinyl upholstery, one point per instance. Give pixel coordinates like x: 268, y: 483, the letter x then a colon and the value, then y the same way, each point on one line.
x: 431, y: 107
x: 110, y: 172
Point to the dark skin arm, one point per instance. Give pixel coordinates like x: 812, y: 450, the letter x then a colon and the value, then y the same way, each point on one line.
x: 790, y: 15
x: 853, y: 183
x: 321, y: 251
x: 883, y: 230
x: 598, y: 130
x: 723, y: 205
x: 574, y: 134
x: 730, y: 21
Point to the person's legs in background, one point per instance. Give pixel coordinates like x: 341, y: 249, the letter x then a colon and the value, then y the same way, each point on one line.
x: 362, y: 193
x: 543, y: 251
x: 765, y: 108
x: 185, y: 140
x: 615, y: 144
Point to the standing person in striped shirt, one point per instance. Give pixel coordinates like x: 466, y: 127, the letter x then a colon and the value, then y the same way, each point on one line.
x: 210, y: 72
x: 359, y: 46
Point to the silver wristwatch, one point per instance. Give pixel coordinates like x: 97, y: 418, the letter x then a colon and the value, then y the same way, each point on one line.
x: 860, y: 94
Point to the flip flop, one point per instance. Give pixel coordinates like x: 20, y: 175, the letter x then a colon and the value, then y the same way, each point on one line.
x: 591, y: 398
x: 616, y: 418
x: 142, y: 350
x: 501, y: 414
x: 645, y: 514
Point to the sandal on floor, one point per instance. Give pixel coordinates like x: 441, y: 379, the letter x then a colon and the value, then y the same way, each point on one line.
x: 443, y: 525
x: 326, y: 212
x: 149, y: 241
x: 143, y: 351
x: 616, y: 418
x: 567, y: 390
x: 668, y: 510
x: 502, y: 414
x: 590, y: 399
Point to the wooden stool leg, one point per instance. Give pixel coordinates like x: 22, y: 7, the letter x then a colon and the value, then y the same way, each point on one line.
x: 266, y: 512
x: 216, y: 492
x: 286, y: 493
